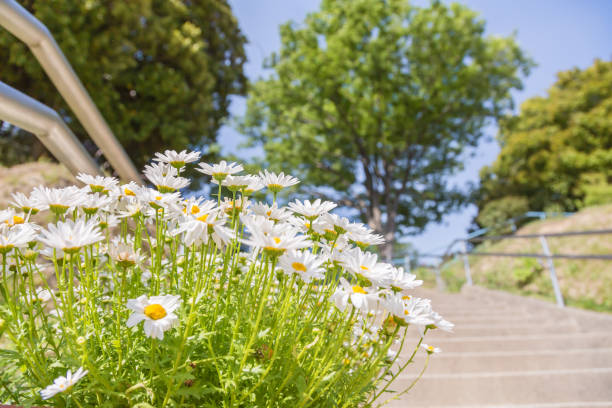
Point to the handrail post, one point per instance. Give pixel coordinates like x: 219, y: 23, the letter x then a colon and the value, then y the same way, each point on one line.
x: 553, y: 273
x: 466, y: 264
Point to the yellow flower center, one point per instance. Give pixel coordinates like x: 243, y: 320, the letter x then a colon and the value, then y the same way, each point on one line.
x: 277, y: 240
x: 155, y: 311
x: 365, y: 268
x: 202, y: 218
x: 406, y: 312
x: 195, y: 209
x: 406, y: 297
x: 128, y: 192
x: 430, y: 348
x: 158, y: 198
x: 298, y: 266
x: 359, y: 289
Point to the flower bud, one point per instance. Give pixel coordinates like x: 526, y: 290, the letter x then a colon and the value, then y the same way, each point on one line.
x: 80, y: 340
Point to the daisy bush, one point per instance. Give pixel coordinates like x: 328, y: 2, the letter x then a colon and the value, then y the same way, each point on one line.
x: 140, y: 296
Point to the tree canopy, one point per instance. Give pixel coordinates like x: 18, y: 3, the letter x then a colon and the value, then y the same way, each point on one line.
x: 557, y: 152
x: 161, y: 72
x: 375, y: 102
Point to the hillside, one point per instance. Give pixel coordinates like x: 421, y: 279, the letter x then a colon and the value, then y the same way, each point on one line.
x: 24, y: 177
x: 584, y: 283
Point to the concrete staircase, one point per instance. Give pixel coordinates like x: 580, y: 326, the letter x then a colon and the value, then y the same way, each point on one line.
x: 509, y: 351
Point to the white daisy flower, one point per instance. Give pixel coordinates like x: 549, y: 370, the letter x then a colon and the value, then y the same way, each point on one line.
x: 165, y: 177
x: 430, y: 349
x: 273, y: 239
x: 29, y: 205
x: 366, y: 265
x: 106, y: 220
x: 63, y: 384
x: 362, y: 299
x: 198, y: 230
x: 124, y: 254
x: 402, y: 281
x: 276, y: 182
x: 335, y: 224
x: 98, y: 184
x: 239, y: 205
x: 236, y: 183
x: 313, y: 210
x: 176, y: 160
x: 364, y: 236
x: 128, y: 190
x: 15, y: 237
x: 256, y: 184
x: 221, y: 170
x: 158, y: 200
x: 70, y: 236
x: 94, y: 202
x: 40, y: 295
x: 59, y: 200
x: 271, y: 212
x: 156, y: 311
x: 11, y: 218
x: 304, y: 264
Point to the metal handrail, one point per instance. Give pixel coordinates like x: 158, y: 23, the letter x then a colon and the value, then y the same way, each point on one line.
x: 23, y: 25
x: 29, y: 114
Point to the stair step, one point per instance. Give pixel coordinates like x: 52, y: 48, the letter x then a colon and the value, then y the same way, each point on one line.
x: 500, y: 329
x: 522, y: 387
x: 457, y: 363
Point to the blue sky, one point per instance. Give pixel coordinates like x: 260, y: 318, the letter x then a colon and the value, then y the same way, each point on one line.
x: 557, y: 34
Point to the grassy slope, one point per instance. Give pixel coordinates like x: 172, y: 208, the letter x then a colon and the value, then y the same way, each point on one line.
x: 584, y: 283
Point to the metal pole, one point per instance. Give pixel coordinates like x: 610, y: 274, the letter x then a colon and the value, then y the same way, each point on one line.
x: 553, y: 273
x: 466, y: 265
x: 23, y: 25
x: 20, y: 110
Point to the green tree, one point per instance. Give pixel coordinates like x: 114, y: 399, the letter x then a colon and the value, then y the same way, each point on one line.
x: 376, y: 101
x: 161, y: 72
x: 557, y: 152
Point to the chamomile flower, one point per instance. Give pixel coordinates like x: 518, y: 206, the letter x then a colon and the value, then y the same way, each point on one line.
x: 128, y: 190
x: 271, y: 212
x: 236, y: 183
x: 312, y: 211
x: 63, y: 384
x: 276, y: 182
x: 221, y: 170
x: 15, y: 237
x: 59, y: 200
x: 93, y: 202
x: 39, y: 295
x: 304, y: 264
x: 98, y: 184
x: 124, y: 254
x: 255, y: 184
x: 366, y: 265
x: 274, y: 239
x: 430, y: 349
x: 157, y: 313
x: 70, y: 236
x: 11, y: 218
x: 29, y: 205
x: 361, y: 298
x: 402, y: 281
x: 165, y: 177
x: 177, y: 160
x: 199, y: 230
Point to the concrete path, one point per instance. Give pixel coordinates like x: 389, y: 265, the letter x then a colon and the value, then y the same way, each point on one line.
x: 512, y: 352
